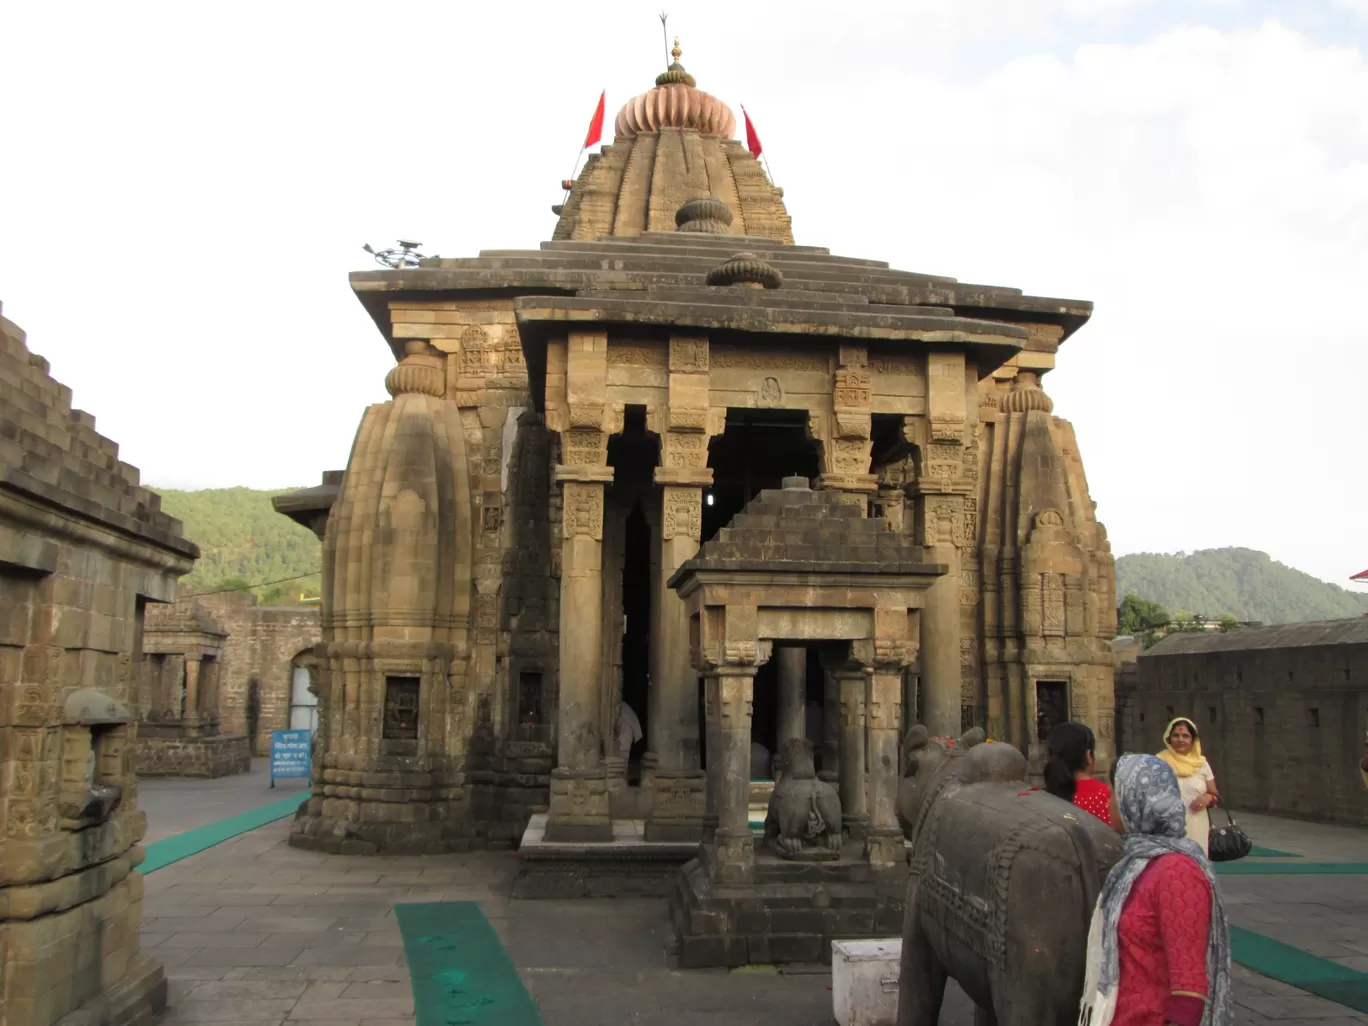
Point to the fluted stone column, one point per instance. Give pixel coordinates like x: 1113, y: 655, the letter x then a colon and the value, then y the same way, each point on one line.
x: 853, y: 683
x: 677, y: 783
x: 579, y: 787
x: 729, y: 704
x: 792, y: 667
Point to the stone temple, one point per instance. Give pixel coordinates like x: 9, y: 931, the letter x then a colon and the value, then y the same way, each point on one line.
x: 576, y: 500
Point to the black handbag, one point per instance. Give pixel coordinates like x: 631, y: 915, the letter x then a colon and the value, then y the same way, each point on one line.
x: 1228, y: 843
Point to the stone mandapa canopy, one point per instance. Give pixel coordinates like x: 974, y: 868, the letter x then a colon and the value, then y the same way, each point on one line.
x: 796, y: 530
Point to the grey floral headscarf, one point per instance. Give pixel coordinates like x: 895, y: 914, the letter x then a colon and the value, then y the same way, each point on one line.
x: 1155, y: 820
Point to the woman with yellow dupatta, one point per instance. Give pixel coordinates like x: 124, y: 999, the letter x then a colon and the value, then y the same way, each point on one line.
x: 1196, y: 783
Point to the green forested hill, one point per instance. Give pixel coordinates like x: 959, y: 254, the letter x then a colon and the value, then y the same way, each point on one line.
x: 243, y: 540
x: 1246, y: 584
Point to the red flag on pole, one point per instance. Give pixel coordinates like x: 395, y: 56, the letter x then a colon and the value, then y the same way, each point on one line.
x: 752, y: 140
x: 596, y: 125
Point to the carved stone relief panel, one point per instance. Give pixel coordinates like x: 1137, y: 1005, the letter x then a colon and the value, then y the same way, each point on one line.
x: 583, y: 510
x: 682, y: 513
x: 688, y: 451
x: 689, y: 354
x: 1052, y: 605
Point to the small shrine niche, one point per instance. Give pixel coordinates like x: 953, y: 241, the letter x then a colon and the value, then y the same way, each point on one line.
x: 94, y: 736
x: 401, y: 709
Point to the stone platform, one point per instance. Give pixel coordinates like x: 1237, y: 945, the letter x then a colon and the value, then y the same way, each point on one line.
x: 628, y: 866
x: 790, y: 913
x: 219, y: 755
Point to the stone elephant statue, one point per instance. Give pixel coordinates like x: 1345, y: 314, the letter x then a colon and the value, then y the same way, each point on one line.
x: 1003, y: 885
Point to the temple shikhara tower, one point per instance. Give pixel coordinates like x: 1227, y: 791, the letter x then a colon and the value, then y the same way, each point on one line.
x: 672, y: 470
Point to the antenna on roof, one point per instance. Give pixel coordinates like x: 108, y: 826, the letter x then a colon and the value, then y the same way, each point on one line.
x: 665, y: 32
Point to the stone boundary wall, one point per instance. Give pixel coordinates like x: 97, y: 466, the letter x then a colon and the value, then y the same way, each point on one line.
x: 263, y: 643
x: 195, y: 757
x: 1282, y: 716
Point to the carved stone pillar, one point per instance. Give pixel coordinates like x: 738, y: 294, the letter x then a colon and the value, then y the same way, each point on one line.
x: 579, y: 789
x: 677, y: 783
x: 680, y: 806
x: 940, y: 644
x: 852, y: 684
x: 831, y: 729
x: 792, y: 667
x: 729, y: 704
x: 886, y: 659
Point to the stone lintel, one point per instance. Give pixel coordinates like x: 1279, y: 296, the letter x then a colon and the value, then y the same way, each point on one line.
x: 684, y: 477
x: 584, y: 474
x: 865, y: 484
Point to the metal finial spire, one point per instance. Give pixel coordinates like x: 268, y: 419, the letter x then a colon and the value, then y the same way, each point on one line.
x: 675, y: 53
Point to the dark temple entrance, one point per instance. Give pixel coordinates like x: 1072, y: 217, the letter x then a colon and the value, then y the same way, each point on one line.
x: 758, y: 449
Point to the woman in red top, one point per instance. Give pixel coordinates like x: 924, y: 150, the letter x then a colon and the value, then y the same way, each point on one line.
x: 1069, y: 769
x: 1159, y: 948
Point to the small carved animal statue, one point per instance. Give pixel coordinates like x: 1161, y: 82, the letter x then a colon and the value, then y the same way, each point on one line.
x: 1004, y: 881
x: 804, y: 817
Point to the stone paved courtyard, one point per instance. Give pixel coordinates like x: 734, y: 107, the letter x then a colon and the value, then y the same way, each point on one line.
x: 255, y: 932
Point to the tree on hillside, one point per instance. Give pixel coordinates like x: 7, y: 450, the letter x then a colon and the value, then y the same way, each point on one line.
x: 1136, y: 616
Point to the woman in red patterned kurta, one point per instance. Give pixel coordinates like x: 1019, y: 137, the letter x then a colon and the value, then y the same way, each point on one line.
x: 1159, y: 948
x: 1069, y: 769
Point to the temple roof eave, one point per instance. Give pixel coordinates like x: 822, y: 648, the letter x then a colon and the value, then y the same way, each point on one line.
x: 832, y: 582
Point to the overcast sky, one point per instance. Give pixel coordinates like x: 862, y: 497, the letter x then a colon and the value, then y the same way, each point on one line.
x: 185, y: 186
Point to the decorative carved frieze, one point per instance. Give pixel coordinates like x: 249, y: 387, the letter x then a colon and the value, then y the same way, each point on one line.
x: 685, y: 419
x: 734, y: 358
x: 627, y: 355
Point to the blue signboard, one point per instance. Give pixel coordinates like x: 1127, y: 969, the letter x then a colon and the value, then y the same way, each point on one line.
x: 291, y: 755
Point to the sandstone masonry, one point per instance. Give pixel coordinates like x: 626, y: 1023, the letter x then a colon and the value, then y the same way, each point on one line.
x: 83, y: 551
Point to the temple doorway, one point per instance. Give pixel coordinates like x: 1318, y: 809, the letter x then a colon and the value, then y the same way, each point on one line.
x: 636, y: 635
x: 628, y: 560
x: 758, y: 449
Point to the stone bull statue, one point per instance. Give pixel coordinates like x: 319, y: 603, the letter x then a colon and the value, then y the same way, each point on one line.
x: 1004, y: 881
